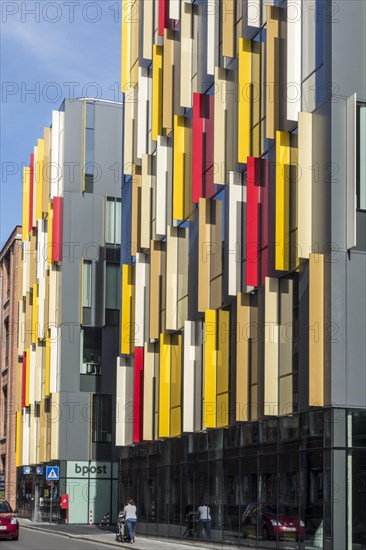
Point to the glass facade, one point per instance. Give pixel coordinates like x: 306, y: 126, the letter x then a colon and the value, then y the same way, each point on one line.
x: 266, y: 483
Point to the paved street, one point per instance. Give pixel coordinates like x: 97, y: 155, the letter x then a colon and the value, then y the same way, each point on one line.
x: 38, y: 540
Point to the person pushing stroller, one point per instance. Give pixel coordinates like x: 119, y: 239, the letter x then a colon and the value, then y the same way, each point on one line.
x: 127, y: 518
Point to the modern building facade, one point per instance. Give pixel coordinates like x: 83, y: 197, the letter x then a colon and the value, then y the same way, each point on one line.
x: 10, y: 256
x: 69, y: 306
x: 241, y: 381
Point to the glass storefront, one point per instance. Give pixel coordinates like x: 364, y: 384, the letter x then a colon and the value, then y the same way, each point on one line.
x: 267, y: 483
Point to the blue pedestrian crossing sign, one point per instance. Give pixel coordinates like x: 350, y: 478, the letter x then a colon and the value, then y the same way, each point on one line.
x: 52, y: 473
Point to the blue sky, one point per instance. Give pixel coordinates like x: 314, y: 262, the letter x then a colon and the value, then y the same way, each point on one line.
x: 58, y: 51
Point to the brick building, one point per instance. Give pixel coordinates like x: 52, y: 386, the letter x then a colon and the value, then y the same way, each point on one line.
x: 10, y: 257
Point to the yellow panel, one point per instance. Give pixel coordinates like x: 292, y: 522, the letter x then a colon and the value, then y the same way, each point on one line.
x: 223, y: 369
x: 127, y: 317
x: 164, y: 386
x: 316, y: 329
x: 39, y: 173
x: 176, y: 386
x: 25, y: 218
x: 210, y: 366
x: 35, y: 314
x: 27, y: 375
x: 126, y: 43
x: 182, y: 168
x: 282, y: 200
x: 157, y: 92
x: 50, y: 237
x: 245, y: 99
x: 47, y: 365
x: 18, y: 439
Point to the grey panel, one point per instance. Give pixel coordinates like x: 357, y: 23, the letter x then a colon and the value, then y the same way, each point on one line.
x: 74, y: 426
x: 108, y: 150
x: 73, y: 145
x: 339, y: 500
x: 356, y: 330
x: 339, y: 321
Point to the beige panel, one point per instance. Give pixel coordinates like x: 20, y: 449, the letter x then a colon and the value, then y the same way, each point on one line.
x: 255, y: 343
x: 182, y: 305
x: 242, y: 357
x: 286, y: 345
x: 186, y: 55
x: 46, y: 170
x: 146, y: 198
x: 150, y: 357
x: 148, y: 25
x: 225, y: 124
x: 136, y: 212
x: 316, y: 329
x: 130, y: 129
x: 204, y: 248
x: 228, y: 27
x: 271, y: 347
x: 55, y: 417
x: 272, y: 76
x: 171, y: 278
x: 156, y: 265
x: 216, y: 256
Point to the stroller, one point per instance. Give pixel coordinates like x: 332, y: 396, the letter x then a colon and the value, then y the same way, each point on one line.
x: 122, y: 534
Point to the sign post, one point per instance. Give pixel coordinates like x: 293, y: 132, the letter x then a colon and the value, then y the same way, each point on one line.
x: 52, y: 475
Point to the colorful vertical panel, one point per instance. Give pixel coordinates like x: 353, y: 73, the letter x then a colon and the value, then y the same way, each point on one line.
x: 245, y: 100
x: 282, y: 200
x: 57, y: 229
x: 157, y: 92
x: 138, y: 393
x: 128, y: 329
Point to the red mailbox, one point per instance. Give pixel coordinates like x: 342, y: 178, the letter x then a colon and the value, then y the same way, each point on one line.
x: 64, y: 502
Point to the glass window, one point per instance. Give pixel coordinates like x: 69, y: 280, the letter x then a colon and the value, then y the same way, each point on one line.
x: 91, y: 350
x: 112, y: 286
x: 87, y: 283
x: 113, y: 221
x: 361, y: 157
x: 90, y: 113
x: 102, y: 418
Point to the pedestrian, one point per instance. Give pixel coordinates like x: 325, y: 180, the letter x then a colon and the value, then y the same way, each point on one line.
x: 204, y: 520
x: 131, y: 518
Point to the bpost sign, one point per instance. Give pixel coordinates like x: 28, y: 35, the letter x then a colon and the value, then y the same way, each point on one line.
x: 91, y: 470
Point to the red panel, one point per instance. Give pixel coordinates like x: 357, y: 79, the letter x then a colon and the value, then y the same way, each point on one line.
x: 31, y: 191
x: 252, y: 222
x: 197, y: 147
x: 202, y: 147
x: 163, y: 16
x: 24, y: 378
x: 264, y: 208
x: 138, y: 388
x: 57, y: 229
x: 210, y: 187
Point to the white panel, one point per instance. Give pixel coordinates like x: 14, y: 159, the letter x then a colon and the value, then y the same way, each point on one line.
x: 237, y: 195
x: 164, y: 160
x: 142, y: 295
x: 212, y: 36
x: 55, y: 329
x: 55, y: 168
x: 32, y: 374
x: 41, y: 302
x: 254, y: 13
x: 186, y: 57
x: 294, y: 55
x: 142, y: 111
x: 192, y: 379
x: 351, y: 170
x: 26, y: 247
x: 25, y: 437
x: 124, y: 401
x: 35, y: 185
x: 61, y: 154
x: 174, y: 9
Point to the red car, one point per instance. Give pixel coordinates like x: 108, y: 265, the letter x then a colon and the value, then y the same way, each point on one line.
x: 9, y: 525
x: 272, y: 523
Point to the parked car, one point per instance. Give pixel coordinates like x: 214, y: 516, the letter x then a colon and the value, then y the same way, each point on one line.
x: 271, y: 523
x: 9, y: 525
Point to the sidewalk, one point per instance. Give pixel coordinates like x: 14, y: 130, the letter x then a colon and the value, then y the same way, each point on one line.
x: 104, y: 536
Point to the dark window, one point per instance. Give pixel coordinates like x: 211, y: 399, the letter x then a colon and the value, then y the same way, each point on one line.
x: 5, y: 408
x: 361, y: 157
x: 102, y: 418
